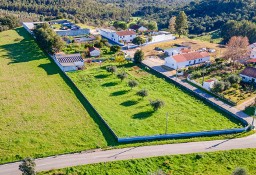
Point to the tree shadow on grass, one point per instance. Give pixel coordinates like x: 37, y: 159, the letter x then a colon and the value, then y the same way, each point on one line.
x: 129, y: 103
x: 143, y: 115
x: 101, y: 76
x: 117, y: 93
x: 49, y: 68
x: 109, y: 84
x: 25, y: 50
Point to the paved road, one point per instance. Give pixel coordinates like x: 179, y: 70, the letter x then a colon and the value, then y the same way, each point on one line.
x: 132, y: 153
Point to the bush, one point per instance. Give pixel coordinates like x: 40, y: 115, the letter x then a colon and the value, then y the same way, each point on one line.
x: 239, y: 171
x: 115, y: 49
x: 27, y: 166
x: 132, y: 83
x: 142, y: 93
x: 138, y: 56
x: 122, y: 76
x: 227, y: 85
x: 196, y: 74
x: 156, y: 104
x: 218, y: 86
x: 233, y: 79
x: 111, y: 69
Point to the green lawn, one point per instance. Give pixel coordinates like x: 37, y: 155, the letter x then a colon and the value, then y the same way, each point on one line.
x: 39, y: 112
x: 129, y: 115
x: 215, y: 163
x: 213, y: 37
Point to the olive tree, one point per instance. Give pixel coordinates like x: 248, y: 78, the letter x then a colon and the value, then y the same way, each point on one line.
x: 156, y: 104
x: 122, y: 76
x: 142, y: 93
x: 111, y: 69
x: 132, y: 83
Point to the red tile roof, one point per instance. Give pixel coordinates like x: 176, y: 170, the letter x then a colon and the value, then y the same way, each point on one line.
x: 125, y: 32
x: 190, y: 56
x: 252, y: 60
x: 249, y: 71
x: 185, y: 50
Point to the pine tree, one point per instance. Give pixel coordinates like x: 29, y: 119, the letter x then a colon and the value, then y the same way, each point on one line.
x: 181, y: 24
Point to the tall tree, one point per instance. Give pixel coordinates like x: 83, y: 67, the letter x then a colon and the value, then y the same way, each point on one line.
x: 138, y: 56
x: 172, y: 24
x: 237, y: 48
x: 27, y: 166
x: 181, y: 24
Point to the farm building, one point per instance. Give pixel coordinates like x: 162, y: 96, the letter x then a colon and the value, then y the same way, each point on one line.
x: 248, y: 75
x: 70, y: 62
x: 94, y: 52
x: 187, y: 59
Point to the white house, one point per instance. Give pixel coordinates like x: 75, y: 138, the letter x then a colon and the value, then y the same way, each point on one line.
x: 208, y: 84
x: 187, y: 59
x: 118, y: 36
x: 138, y: 28
x: 70, y: 62
x: 248, y: 75
x: 94, y: 52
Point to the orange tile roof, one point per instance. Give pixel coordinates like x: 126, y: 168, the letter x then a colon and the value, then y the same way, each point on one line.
x: 125, y: 32
x: 252, y: 60
x: 190, y: 56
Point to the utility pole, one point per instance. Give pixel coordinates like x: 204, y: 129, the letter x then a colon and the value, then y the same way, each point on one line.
x: 166, y: 127
x: 204, y: 70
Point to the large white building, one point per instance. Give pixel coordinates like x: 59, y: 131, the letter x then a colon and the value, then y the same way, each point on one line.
x: 187, y: 59
x: 120, y: 37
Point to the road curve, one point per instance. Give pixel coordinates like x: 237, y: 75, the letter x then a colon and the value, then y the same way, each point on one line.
x: 68, y: 160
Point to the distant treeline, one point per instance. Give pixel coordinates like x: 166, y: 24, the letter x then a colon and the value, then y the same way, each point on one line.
x: 203, y: 16
x: 239, y: 28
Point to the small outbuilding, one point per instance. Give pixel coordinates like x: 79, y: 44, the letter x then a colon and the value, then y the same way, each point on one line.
x: 70, y: 62
x: 94, y: 52
x: 248, y: 75
x: 208, y: 84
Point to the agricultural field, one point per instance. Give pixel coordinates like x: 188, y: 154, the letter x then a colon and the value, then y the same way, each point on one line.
x: 195, y: 44
x: 130, y: 115
x: 222, y: 162
x: 40, y: 113
x: 212, y: 37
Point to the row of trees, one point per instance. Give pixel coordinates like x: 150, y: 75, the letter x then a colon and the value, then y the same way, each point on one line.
x: 48, y: 39
x: 8, y: 22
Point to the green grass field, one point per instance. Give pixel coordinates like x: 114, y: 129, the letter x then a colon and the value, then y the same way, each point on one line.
x: 215, y: 163
x: 40, y: 114
x: 129, y: 115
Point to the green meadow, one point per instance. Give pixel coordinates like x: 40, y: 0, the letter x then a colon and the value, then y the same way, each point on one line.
x: 40, y: 114
x: 130, y: 115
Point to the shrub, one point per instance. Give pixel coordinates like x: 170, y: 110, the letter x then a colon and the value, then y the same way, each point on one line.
x: 156, y: 104
x: 219, y: 86
x: 138, y: 56
x: 111, y: 69
x: 196, y: 74
x: 27, y: 166
x: 122, y: 76
x: 132, y: 83
x: 239, y: 171
x: 142, y: 93
x: 115, y: 48
x: 233, y: 79
x: 227, y: 85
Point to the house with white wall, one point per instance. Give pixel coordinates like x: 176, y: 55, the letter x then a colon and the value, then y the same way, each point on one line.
x: 118, y: 36
x: 177, y: 50
x: 70, y: 62
x: 248, y: 75
x: 178, y: 61
x: 94, y: 52
x: 208, y: 84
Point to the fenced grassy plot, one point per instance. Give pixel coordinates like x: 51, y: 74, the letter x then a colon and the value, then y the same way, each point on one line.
x: 40, y: 114
x: 131, y: 115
